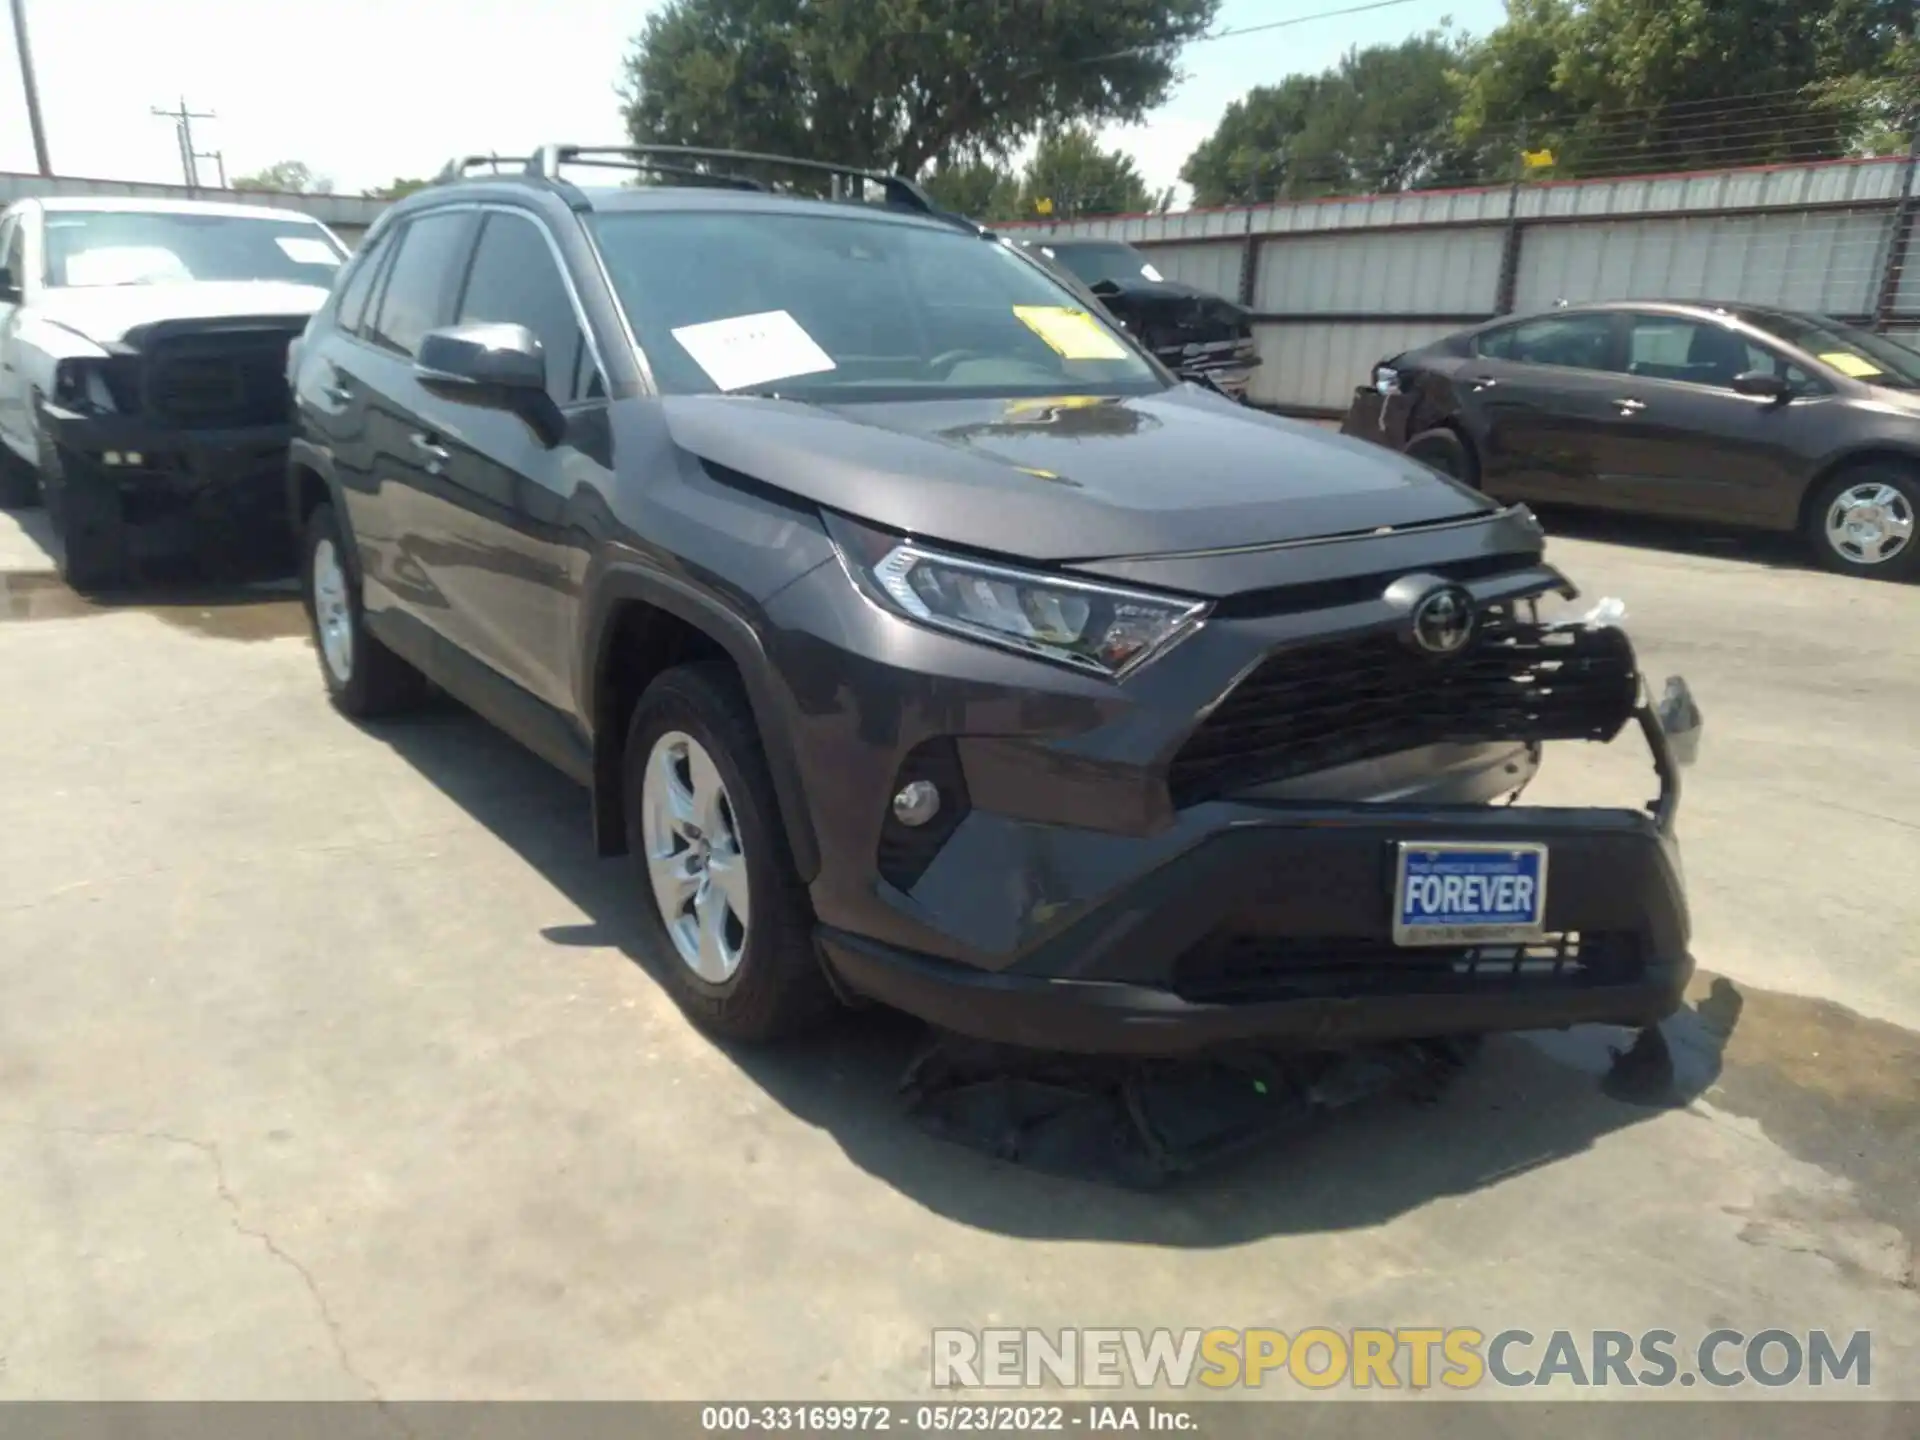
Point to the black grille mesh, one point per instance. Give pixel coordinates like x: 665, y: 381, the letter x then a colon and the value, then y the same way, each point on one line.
x: 1315, y: 707
x: 220, y: 379
x: 1247, y: 968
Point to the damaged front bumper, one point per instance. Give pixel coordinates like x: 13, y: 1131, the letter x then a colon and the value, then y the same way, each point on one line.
x: 216, y: 495
x: 1274, y: 928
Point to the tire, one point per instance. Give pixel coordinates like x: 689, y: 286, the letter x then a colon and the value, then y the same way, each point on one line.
x: 1885, y: 498
x: 364, y: 679
x: 1443, y: 450
x: 19, y: 482
x: 86, y: 516
x: 758, y: 981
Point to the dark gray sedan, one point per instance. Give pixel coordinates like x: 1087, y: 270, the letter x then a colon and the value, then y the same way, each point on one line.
x: 1736, y: 414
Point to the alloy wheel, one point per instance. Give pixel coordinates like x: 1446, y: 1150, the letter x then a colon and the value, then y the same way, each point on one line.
x: 694, y: 859
x: 332, y: 614
x: 1870, y: 523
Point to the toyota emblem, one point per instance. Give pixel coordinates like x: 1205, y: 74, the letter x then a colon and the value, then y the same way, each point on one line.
x: 1443, y: 621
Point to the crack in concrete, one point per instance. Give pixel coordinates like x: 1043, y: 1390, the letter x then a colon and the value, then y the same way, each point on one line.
x: 273, y: 1247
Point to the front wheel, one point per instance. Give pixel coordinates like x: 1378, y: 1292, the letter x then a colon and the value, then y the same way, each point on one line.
x: 1862, y: 522
x: 729, y: 913
x: 1443, y: 450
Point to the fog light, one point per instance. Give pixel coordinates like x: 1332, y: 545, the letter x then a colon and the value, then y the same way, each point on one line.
x: 917, y: 803
x: 112, y: 457
x: 133, y: 457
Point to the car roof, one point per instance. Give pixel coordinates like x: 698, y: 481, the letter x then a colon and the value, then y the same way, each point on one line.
x: 1738, y: 309
x: 669, y: 199
x: 129, y: 205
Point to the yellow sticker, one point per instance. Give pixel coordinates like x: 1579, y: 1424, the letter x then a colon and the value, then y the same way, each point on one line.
x: 1847, y: 363
x: 1074, y: 333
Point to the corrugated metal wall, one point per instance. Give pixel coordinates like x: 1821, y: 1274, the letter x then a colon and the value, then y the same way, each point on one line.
x: 1340, y: 284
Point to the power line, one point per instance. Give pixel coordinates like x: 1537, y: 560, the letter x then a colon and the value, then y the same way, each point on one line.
x: 1244, y: 30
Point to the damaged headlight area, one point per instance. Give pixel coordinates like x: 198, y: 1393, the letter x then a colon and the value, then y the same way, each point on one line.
x: 96, y: 385
x: 1107, y: 629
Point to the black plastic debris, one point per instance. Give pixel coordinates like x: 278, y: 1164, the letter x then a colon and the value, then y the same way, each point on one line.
x: 1143, y: 1123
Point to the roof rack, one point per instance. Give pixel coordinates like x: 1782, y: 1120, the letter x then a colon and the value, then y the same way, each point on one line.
x: 457, y: 168
x: 547, y: 160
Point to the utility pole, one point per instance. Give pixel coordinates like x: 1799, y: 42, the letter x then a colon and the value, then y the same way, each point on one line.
x: 183, y: 119
x: 34, y: 123
x: 219, y: 158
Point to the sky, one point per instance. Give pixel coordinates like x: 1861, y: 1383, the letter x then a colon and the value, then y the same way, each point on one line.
x: 385, y: 88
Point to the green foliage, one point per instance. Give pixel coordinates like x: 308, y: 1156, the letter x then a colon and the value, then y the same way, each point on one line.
x: 979, y: 188
x: 397, y: 189
x: 899, y: 84
x: 287, y: 177
x: 1077, y: 176
x: 1382, y: 119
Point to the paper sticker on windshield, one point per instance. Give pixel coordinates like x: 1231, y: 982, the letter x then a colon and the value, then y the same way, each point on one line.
x: 305, y: 250
x: 1153, y: 274
x: 753, y: 349
x: 1848, y: 363
x: 1073, y: 333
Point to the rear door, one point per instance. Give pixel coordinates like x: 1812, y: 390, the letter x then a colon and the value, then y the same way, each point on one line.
x: 509, y: 562
x: 1539, y: 395
x: 398, y: 515
x: 1685, y: 443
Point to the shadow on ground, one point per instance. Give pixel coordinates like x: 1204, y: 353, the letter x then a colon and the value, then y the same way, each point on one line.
x: 1679, y: 537
x: 1527, y: 1101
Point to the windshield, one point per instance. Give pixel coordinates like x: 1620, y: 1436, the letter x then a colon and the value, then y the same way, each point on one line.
x: 855, y: 307
x: 1109, y: 261
x: 131, y: 247
x: 1858, y: 353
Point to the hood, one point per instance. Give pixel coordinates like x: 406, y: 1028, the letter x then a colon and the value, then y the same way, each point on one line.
x: 105, y: 313
x: 1170, y: 301
x: 1071, y: 478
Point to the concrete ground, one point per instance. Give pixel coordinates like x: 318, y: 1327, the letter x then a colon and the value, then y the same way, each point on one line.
x: 328, y: 1067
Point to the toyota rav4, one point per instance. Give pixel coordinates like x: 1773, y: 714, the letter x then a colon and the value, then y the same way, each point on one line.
x: 924, y: 642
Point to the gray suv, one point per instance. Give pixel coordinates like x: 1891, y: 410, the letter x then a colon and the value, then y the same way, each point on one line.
x: 925, y: 642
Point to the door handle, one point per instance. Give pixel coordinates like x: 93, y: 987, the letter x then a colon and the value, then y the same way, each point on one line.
x: 430, y: 448
x: 1631, y: 407
x: 337, y: 390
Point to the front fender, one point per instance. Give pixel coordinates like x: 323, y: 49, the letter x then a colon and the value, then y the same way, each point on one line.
x: 623, y: 581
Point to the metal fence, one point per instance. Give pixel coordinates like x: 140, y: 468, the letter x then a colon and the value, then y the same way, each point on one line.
x: 1339, y: 284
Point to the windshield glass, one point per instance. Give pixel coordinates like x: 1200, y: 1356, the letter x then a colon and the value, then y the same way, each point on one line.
x: 130, y: 247
x: 1108, y: 261
x: 1858, y: 353
x: 855, y: 307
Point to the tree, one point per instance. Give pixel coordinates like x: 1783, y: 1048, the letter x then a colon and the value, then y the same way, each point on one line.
x: 288, y: 177
x: 1382, y: 119
x: 1615, y: 86
x: 396, y: 189
x: 899, y: 84
x: 1071, y: 170
x: 979, y: 188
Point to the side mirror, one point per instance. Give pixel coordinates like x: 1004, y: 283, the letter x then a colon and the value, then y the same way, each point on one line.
x: 1763, y: 385
x: 498, y: 367
x: 9, y: 286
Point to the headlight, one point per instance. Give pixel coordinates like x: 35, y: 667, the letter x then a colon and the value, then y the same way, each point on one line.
x: 82, y: 385
x: 1103, y: 628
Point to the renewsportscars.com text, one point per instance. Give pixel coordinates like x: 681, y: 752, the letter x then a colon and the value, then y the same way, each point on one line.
x: 1457, y: 1357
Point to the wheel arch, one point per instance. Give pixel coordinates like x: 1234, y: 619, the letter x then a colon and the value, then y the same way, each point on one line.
x: 641, y: 622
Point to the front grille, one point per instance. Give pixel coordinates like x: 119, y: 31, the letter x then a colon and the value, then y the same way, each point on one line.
x: 231, y: 378
x: 1312, y: 708
x: 1251, y: 968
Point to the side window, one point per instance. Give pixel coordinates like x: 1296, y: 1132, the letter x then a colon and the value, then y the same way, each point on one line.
x: 419, y: 288
x: 352, y: 307
x: 516, y: 281
x: 1576, y: 342
x: 1699, y: 352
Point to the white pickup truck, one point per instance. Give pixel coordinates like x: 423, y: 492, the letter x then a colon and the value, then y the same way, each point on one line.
x: 143, y: 390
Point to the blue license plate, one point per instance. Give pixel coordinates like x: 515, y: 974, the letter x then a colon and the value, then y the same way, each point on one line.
x: 1468, y: 894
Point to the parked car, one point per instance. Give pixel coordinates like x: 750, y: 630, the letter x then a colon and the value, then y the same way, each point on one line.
x: 924, y: 642
x: 143, y: 375
x: 1199, y: 336
x: 1736, y: 414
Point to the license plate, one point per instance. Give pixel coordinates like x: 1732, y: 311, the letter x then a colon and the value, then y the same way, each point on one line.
x: 1467, y: 894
